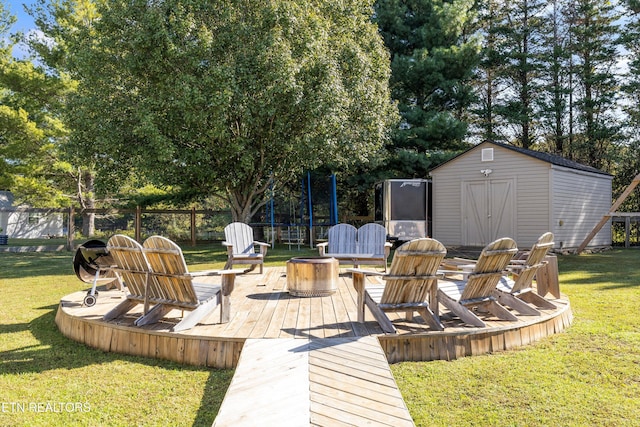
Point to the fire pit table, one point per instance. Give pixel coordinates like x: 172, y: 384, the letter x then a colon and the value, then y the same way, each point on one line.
x: 312, y: 276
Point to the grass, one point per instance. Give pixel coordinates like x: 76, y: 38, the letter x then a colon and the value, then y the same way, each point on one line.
x: 588, y: 375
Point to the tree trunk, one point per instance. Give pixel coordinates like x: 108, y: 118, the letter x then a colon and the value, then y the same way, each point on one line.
x: 88, y: 202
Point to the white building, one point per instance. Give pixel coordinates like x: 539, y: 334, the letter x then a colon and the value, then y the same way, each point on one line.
x: 25, y: 223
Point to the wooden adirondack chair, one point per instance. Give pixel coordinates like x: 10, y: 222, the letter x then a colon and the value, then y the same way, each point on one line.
x: 179, y: 289
x: 132, y: 267
x: 241, y: 248
x: 516, y: 294
x: 477, y: 290
x: 410, y: 286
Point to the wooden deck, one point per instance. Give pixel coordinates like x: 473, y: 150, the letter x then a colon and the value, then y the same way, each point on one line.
x: 262, y: 308
x: 301, y: 361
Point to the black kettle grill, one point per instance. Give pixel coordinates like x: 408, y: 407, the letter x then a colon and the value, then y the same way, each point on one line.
x: 90, y: 262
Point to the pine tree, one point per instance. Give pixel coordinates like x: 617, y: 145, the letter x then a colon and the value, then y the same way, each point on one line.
x: 594, y: 48
x: 553, y: 100
x: 521, y: 70
x: 488, y: 83
x: 432, y: 59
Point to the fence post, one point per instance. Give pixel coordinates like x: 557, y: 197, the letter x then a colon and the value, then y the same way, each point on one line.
x: 138, y: 223
x: 70, y: 229
x: 193, y: 226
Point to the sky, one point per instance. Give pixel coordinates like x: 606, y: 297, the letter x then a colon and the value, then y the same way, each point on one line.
x: 24, y: 22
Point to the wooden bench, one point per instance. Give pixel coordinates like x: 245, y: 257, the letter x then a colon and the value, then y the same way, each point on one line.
x: 364, y: 246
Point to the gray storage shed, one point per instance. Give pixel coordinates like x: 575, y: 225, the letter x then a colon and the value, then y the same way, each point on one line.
x: 495, y: 190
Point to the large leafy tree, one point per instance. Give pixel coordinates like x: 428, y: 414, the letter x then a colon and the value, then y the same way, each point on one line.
x: 30, y: 127
x: 220, y: 97
x: 432, y: 63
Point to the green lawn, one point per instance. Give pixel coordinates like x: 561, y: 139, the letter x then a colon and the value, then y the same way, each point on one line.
x: 589, y: 375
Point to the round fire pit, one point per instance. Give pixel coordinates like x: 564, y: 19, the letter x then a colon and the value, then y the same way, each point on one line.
x: 312, y: 277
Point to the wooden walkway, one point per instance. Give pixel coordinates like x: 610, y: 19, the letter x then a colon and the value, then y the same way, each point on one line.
x: 320, y: 382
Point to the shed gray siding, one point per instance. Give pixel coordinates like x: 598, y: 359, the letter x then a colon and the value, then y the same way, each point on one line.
x: 543, y: 191
x: 579, y: 202
x: 532, y: 195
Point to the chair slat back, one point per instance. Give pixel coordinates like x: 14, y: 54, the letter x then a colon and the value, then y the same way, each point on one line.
x: 540, y: 249
x: 371, y: 239
x: 489, y: 268
x: 342, y: 239
x: 533, y: 262
x: 420, y: 257
x: 131, y: 263
x: 240, y: 235
x: 170, y: 270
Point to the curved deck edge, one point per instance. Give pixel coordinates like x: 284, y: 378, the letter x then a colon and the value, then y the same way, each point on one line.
x: 474, y: 341
x: 223, y: 352
x: 189, y: 350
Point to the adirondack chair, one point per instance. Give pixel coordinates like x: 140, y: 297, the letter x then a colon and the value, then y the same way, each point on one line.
x: 341, y: 239
x: 178, y: 288
x: 132, y: 267
x: 372, y: 239
x: 411, y: 285
x: 366, y: 245
x: 516, y: 294
x: 241, y: 248
x: 476, y: 289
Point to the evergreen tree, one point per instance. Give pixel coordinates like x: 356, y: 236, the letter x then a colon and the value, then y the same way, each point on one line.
x: 521, y: 70
x: 553, y: 99
x: 629, y: 165
x: 594, y: 47
x: 488, y: 83
x: 432, y: 59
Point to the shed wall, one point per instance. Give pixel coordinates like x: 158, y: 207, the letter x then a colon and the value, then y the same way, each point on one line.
x: 532, y: 196
x: 580, y: 200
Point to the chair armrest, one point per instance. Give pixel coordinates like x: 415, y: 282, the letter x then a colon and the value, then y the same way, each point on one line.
x: 263, y: 247
x: 462, y: 273
x: 205, y: 273
x: 387, y: 249
x: 226, y: 244
x: 365, y: 272
x: 322, y: 247
x: 227, y: 272
x: 465, y: 260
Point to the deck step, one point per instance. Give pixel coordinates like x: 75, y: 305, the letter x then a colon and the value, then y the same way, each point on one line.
x: 317, y: 382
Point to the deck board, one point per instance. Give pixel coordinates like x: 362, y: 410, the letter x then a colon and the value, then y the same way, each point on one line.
x: 296, y: 382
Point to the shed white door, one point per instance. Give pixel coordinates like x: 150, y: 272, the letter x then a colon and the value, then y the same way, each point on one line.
x: 488, y: 211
